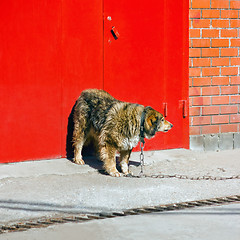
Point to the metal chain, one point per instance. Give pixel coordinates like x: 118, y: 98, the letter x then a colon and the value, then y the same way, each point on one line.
x: 141, y: 159
x: 188, y: 177
x: 178, y: 176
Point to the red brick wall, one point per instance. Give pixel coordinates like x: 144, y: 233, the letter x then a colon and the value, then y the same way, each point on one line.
x: 214, y: 59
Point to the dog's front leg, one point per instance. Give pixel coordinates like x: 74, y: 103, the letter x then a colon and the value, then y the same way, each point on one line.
x: 124, y: 160
x: 108, y: 156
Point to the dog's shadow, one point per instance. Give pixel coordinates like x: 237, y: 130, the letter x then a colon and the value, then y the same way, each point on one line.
x: 89, y: 156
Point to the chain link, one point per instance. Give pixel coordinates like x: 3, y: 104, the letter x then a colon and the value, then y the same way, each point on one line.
x: 178, y: 176
x: 189, y: 177
x: 141, y: 159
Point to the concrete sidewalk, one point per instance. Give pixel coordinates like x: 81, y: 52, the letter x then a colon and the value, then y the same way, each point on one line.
x: 30, y: 190
x: 205, y: 223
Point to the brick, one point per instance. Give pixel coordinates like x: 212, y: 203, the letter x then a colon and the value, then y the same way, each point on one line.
x: 235, y: 99
x: 229, y: 90
x: 194, y: 130
x: 235, y: 80
x: 201, y: 4
x: 210, y: 91
x: 212, y: 71
x: 210, y: 129
x: 194, y: 111
x: 220, y: 4
x: 194, y: 91
x: 201, y: 62
x: 201, y: 43
x: 220, y: 43
x: 190, y: 82
x: 219, y: 119
x: 235, y: 61
x: 229, y: 33
x: 190, y: 62
x: 210, y: 52
x: 235, y: 23
x: 190, y: 23
x: 210, y: 13
x: 194, y: 33
x: 220, y: 61
x: 226, y: 71
x: 194, y: 52
x: 226, y: 128
x: 202, y: 81
x: 229, y: 52
x: 190, y: 101
x: 229, y: 109
x: 210, y: 110
x: 194, y: 72
x: 220, y: 100
x: 235, y: 118
x: 201, y: 101
x: 194, y: 13
x: 201, y: 120
x: 235, y: 42
x: 229, y: 13
x: 220, y: 80
x: 210, y: 33
x: 235, y: 4
x: 201, y: 23
x: 220, y: 23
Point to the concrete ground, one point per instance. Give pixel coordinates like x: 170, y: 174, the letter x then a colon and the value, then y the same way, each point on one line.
x: 30, y: 190
x: 206, y: 223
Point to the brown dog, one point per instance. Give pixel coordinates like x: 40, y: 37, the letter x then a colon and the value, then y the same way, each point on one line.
x: 114, y: 125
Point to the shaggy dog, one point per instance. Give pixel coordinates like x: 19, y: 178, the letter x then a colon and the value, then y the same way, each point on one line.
x: 114, y: 125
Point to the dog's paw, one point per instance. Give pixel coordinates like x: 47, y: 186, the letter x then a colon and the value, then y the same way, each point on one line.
x: 78, y: 161
x: 115, y: 174
x: 128, y: 174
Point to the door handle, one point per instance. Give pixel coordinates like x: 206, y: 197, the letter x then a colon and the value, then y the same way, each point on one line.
x: 185, y: 108
x: 165, y: 109
x: 115, y: 33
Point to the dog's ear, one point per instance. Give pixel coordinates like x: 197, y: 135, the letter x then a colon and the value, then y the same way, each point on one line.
x: 151, y: 120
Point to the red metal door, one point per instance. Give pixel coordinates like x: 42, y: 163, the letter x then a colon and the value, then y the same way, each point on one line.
x: 146, y: 60
x: 30, y: 84
x: 49, y: 52
x: 82, y: 58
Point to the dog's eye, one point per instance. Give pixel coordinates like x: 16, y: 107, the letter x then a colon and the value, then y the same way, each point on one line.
x: 162, y: 119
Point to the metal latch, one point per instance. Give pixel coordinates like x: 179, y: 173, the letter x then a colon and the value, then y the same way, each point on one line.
x: 185, y: 108
x: 165, y: 109
x: 115, y: 33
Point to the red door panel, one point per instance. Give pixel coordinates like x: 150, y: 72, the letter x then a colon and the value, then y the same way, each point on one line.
x: 145, y: 63
x: 30, y: 84
x: 82, y: 57
x: 133, y: 69
x: 176, y: 72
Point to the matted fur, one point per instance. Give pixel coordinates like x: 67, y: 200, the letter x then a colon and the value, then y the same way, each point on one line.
x: 114, y: 125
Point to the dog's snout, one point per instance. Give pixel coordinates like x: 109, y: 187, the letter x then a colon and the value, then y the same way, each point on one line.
x: 171, y: 125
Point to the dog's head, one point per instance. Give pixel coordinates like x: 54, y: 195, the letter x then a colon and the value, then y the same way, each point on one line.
x: 155, y: 122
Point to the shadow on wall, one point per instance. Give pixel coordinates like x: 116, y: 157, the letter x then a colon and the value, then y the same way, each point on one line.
x: 87, y: 150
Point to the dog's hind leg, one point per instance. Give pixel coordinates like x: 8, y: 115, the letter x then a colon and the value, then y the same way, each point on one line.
x: 79, y: 139
x: 108, y: 156
x: 124, y: 160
